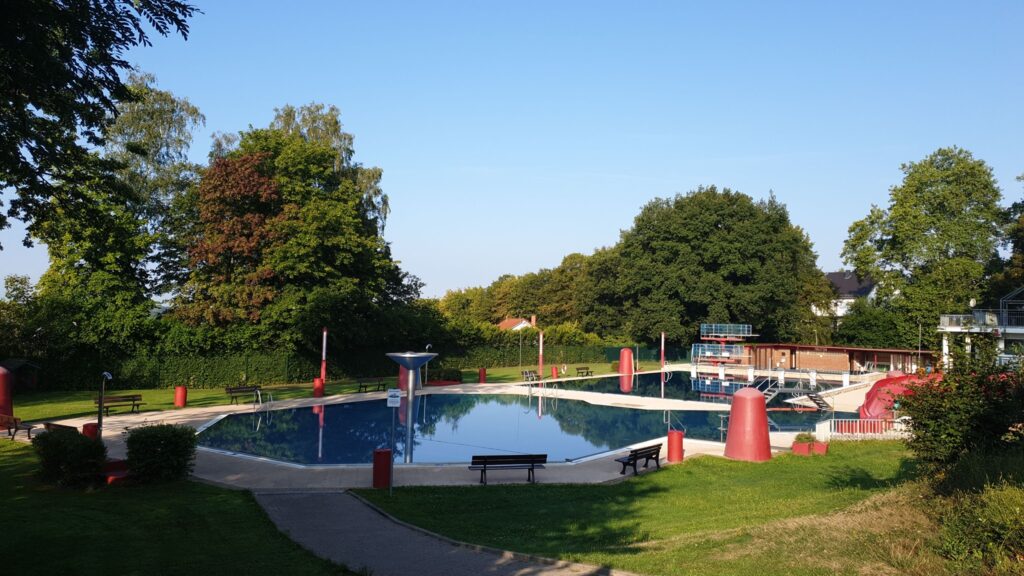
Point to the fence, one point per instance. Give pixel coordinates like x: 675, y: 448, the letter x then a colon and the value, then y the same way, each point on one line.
x: 866, y: 429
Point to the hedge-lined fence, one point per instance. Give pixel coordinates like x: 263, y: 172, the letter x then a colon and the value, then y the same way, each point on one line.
x: 151, y: 371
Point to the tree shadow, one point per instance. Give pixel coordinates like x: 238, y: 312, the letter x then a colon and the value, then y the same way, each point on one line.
x: 862, y: 479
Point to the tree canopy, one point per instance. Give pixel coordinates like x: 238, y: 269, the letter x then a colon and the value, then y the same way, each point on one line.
x: 60, y: 66
x: 932, y: 250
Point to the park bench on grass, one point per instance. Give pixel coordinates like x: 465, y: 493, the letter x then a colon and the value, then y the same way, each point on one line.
x: 530, y: 376
x: 133, y: 401
x: 14, y: 424
x: 237, y: 392
x: 528, y: 462
x: 647, y: 453
x: 366, y: 383
x: 582, y: 371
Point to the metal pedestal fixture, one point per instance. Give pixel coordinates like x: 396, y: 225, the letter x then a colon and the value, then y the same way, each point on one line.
x: 411, y: 361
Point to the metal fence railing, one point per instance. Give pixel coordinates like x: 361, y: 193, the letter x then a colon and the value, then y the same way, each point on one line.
x: 725, y: 331
x: 866, y: 429
x: 717, y: 352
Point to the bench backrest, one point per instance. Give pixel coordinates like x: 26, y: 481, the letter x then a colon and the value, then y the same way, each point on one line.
x: 646, y: 451
x: 480, y: 460
x: 115, y: 399
x: 240, y: 389
x: 6, y: 420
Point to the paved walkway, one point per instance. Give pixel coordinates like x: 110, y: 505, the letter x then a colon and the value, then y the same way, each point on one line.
x: 344, y: 530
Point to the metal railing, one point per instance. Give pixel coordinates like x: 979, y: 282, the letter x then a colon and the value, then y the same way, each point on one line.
x: 983, y: 319
x: 715, y: 386
x: 726, y: 330
x: 866, y: 429
x: 708, y: 352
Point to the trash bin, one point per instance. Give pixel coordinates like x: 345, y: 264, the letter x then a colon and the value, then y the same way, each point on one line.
x: 483, y: 376
x: 381, y: 468
x: 675, y: 445
x: 180, y: 396
x: 91, y: 429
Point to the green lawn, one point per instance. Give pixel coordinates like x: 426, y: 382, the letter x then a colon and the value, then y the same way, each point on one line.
x: 179, y: 528
x: 706, y: 516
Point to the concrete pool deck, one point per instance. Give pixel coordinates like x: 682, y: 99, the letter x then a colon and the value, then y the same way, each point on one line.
x: 257, y: 474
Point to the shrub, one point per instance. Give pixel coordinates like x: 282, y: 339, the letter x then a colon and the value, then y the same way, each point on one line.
x: 161, y: 453
x: 68, y: 458
x: 446, y: 374
x: 986, y: 527
x: 804, y: 437
x: 615, y: 366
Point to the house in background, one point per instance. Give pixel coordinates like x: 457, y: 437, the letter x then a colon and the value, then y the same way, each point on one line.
x: 516, y: 324
x: 848, y: 288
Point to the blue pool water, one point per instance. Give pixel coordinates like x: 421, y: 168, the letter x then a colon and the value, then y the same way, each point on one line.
x: 451, y: 428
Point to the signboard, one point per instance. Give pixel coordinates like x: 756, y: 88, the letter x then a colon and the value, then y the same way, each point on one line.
x: 394, y: 397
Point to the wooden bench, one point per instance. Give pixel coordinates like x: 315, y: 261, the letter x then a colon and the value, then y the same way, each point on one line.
x: 528, y: 462
x: 238, y: 391
x: 133, y: 401
x: 647, y: 453
x: 366, y: 383
x: 51, y: 426
x: 582, y: 371
x: 13, y: 425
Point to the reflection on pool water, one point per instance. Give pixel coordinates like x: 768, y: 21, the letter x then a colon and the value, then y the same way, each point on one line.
x: 450, y: 428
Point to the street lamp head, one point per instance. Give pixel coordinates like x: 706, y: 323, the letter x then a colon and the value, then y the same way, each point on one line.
x: 107, y: 376
x: 429, y: 346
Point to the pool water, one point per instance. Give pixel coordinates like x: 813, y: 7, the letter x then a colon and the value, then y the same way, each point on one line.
x: 451, y: 428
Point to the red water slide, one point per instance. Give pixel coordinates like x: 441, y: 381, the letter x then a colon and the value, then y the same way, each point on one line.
x: 878, y: 401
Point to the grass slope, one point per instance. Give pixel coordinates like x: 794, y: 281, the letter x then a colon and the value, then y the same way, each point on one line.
x: 707, y: 516
x: 178, y: 528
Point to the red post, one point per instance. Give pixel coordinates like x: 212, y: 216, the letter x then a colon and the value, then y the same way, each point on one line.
x: 626, y: 370
x: 180, y: 396
x: 318, y: 387
x: 483, y: 376
x: 323, y: 358
x: 554, y: 372
x: 540, y: 357
x: 675, y: 445
x: 6, y: 392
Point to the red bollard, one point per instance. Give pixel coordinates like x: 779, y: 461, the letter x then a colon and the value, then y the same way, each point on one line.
x: 6, y: 392
x: 180, y: 396
x: 483, y: 376
x: 381, y: 468
x: 554, y: 372
x: 747, y: 438
x: 675, y: 445
x: 318, y: 387
x: 91, y: 429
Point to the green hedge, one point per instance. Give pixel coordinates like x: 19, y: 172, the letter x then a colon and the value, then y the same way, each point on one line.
x: 161, y: 453
x: 486, y: 357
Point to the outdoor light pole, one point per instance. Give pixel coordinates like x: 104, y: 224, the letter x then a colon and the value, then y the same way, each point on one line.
x: 426, y: 367
x: 99, y: 419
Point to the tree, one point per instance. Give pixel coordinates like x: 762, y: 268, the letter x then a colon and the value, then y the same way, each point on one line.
x: 283, y: 247
x: 710, y: 256
x: 60, y: 62
x: 868, y: 325
x: 932, y: 249
x: 1011, y: 271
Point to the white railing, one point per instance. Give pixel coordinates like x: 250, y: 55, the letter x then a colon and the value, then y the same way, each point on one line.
x: 866, y: 429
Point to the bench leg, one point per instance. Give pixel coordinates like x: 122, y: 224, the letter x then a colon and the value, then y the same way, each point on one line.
x: 624, y: 464
x: 529, y: 475
x: 483, y: 476
x: 634, y: 468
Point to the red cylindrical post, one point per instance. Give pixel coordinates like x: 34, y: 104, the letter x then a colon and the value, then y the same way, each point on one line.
x: 747, y: 437
x: 626, y: 370
x: 675, y: 445
x: 318, y: 387
x: 91, y: 429
x: 381, y: 468
x: 6, y: 392
x: 483, y: 376
x: 403, y: 378
x: 180, y: 396
x: 554, y: 372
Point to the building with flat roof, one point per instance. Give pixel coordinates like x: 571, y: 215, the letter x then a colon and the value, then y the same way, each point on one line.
x: 1005, y: 324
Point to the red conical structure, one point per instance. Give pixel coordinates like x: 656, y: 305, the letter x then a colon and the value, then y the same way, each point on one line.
x: 748, y: 428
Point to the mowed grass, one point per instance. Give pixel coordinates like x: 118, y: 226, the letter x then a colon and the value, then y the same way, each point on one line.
x: 840, y: 514
x: 179, y: 528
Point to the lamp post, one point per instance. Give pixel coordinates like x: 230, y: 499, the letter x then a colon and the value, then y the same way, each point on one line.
x: 426, y: 367
x: 99, y: 418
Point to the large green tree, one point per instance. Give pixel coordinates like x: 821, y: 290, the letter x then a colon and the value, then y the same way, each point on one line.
x: 714, y: 256
x: 284, y: 245
x: 932, y: 249
x: 60, y: 66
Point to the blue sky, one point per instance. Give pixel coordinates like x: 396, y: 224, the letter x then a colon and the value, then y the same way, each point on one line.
x: 512, y: 134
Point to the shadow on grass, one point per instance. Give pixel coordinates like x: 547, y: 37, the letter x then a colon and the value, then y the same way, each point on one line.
x: 862, y: 479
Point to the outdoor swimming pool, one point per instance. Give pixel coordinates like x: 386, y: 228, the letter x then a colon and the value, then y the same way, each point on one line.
x: 450, y: 428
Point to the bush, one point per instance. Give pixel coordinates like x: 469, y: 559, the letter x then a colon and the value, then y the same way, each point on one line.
x: 615, y: 366
x: 986, y: 527
x: 446, y: 374
x: 161, y: 453
x: 68, y: 458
